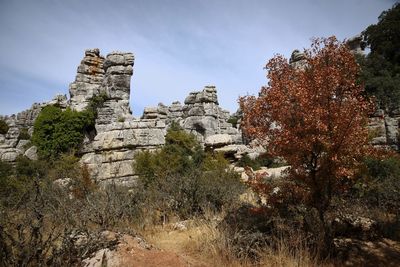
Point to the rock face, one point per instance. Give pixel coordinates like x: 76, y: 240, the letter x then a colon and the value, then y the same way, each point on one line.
x: 88, y: 80
x: 10, y: 144
x: 385, y: 129
x: 118, y: 68
x: 110, y: 155
x: 109, y: 151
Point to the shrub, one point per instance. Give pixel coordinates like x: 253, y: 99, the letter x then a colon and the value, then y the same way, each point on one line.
x: 26, y: 168
x: 23, y: 134
x: 57, y: 131
x: 3, y: 127
x: 380, y: 185
x: 6, y: 183
x: 180, y: 179
x: 96, y: 102
x: 5, y: 169
x: 233, y: 120
x: 264, y: 160
x: 41, y: 225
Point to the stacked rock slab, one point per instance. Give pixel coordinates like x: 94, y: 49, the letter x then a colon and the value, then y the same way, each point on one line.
x: 109, y: 153
x: 118, y: 69
x: 200, y: 115
x: 88, y: 80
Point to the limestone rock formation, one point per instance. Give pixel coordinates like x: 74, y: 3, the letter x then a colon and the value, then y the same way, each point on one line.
x: 110, y: 155
x: 385, y: 129
x: 118, y: 68
x: 88, y: 80
x: 10, y: 144
x: 297, y: 60
x: 109, y: 152
x: 357, y: 44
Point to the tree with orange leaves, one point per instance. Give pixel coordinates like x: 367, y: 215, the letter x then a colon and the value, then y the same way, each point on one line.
x: 315, y: 117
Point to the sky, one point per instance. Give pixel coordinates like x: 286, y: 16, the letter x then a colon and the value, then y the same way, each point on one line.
x: 179, y: 45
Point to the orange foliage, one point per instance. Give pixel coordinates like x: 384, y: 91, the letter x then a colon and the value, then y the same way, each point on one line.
x: 314, y: 117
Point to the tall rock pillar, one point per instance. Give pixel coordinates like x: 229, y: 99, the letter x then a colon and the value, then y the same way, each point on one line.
x: 118, y: 68
x: 88, y: 80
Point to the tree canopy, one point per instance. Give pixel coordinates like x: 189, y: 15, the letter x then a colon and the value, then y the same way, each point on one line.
x: 314, y: 117
x: 381, y: 67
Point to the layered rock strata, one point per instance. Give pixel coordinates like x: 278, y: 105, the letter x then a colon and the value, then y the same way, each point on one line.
x: 109, y: 151
x: 11, y: 145
x: 89, y: 78
x: 110, y: 155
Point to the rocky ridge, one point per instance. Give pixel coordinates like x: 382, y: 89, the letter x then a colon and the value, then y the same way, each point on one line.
x: 109, y: 151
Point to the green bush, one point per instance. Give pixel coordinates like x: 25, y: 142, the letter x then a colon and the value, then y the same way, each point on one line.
x: 26, y: 168
x: 380, y: 183
x: 264, y: 160
x: 23, y: 134
x: 57, y: 131
x: 5, y: 169
x: 233, y: 120
x: 96, y: 102
x: 180, y: 179
x: 3, y: 127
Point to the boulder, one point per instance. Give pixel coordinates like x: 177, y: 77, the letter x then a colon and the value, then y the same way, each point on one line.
x: 31, y: 153
x: 218, y: 140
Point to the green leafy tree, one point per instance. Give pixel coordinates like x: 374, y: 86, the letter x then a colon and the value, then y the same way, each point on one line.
x: 381, y: 67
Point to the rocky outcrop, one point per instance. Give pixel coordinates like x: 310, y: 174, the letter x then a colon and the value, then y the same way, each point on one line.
x: 118, y: 68
x: 88, y: 80
x: 110, y: 155
x: 119, y: 136
x: 11, y: 144
x: 298, y: 60
x: 385, y: 129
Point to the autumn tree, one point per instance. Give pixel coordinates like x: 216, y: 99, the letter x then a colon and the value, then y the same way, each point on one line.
x: 314, y: 116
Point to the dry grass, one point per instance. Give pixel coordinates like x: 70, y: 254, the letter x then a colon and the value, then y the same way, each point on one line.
x: 205, y: 245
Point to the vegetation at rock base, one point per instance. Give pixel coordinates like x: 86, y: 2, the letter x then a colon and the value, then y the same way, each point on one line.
x: 381, y: 67
x: 182, y: 180
x: 57, y: 131
x: 263, y: 160
x: 97, y: 101
x: 3, y: 127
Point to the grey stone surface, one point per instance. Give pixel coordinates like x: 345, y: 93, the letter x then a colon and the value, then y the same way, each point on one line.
x: 88, y: 80
x: 31, y: 153
x: 218, y: 140
x: 109, y: 151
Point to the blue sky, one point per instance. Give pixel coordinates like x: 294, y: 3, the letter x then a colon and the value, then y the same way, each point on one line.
x: 179, y: 46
